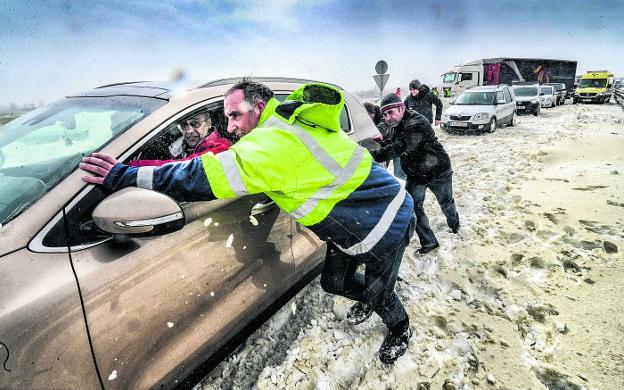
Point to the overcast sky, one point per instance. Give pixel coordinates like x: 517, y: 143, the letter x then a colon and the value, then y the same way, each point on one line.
x: 52, y: 48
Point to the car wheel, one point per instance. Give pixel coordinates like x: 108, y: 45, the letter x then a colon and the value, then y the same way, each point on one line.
x: 492, y: 126
x: 563, y: 101
x: 512, y: 122
x: 536, y: 112
x: 573, y: 101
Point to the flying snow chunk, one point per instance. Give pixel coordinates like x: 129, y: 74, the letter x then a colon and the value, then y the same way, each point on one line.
x: 207, y: 222
x: 170, y: 324
x: 212, y: 293
x: 230, y: 239
x: 113, y: 375
x: 293, y: 307
x: 253, y: 220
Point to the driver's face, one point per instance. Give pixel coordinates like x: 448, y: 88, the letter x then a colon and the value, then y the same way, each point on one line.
x: 195, y: 129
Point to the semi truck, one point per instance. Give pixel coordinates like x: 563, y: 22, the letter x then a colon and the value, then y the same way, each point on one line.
x: 494, y: 71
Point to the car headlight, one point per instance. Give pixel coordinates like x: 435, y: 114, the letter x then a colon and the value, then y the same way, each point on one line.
x: 534, y: 101
x: 600, y: 94
x: 481, y: 116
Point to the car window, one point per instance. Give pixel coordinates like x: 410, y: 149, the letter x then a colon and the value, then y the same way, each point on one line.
x: 499, y: 96
x: 466, y: 76
x: 40, y: 148
x: 475, y: 98
x: 508, y: 98
x: 525, y: 91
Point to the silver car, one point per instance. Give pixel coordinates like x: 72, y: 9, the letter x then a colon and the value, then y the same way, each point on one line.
x: 132, y: 290
x: 481, y: 109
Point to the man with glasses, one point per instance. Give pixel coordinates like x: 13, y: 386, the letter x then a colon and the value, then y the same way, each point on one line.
x: 199, y: 136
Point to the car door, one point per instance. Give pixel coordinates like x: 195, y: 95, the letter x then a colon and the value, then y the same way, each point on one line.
x: 158, y: 307
x: 510, y: 104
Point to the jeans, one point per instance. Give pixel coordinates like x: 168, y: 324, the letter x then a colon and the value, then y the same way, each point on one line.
x: 376, y: 287
x: 442, y: 188
x: 398, y: 171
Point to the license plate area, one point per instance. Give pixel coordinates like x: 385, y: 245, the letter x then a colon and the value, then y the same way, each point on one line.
x: 458, y: 124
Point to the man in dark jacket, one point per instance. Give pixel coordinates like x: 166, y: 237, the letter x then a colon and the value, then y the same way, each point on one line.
x: 421, y: 99
x: 425, y: 162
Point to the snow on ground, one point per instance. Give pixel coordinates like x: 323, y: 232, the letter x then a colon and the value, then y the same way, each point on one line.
x: 527, y: 295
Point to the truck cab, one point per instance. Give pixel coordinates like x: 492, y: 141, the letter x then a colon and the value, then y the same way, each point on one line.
x: 594, y: 86
x: 462, y: 77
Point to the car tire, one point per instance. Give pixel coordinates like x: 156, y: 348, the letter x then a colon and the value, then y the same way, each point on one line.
x: 536, y: 112
x: 573, y: 101
x: 492, y: 127
x: 563, y: 101
x: 512, y: 122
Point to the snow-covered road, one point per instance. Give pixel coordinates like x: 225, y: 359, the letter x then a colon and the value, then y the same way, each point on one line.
x: 527, y: 295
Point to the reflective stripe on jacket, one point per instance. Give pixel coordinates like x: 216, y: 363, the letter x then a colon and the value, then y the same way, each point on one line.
x: 299, y: 156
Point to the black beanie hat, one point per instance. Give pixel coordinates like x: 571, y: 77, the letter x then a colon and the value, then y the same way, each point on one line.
x: 390, y: 101
x: 414, y: 84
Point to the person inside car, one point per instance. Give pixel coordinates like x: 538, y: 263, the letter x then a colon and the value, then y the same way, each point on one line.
x: 199, y: 136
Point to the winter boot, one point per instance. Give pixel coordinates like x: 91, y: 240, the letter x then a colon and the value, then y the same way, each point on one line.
x: 395, y: 343
x: 427, y: 249
x: 359, y: 313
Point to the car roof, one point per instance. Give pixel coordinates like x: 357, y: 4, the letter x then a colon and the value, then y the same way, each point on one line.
x: 166, y: 89
x: 486, y: 88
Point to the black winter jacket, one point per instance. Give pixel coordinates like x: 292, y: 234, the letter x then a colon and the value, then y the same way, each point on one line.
x: 422, y: 156
x: 422, y: 103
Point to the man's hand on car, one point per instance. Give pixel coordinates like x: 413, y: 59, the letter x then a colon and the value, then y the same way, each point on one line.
x: 98, y: 164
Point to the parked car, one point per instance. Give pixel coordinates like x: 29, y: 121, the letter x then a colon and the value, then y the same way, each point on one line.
x: 548, y: 96
x: 527, y: 98
x: 560, y: 90
x: 481, y: 108
x: 131, y: 290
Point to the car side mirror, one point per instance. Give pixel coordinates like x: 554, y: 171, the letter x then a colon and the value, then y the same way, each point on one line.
x: 138, y: 211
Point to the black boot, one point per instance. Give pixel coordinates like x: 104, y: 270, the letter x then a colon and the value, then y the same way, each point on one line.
x: 395, y: 342
x: 359, y: 313
x: 427, y: 249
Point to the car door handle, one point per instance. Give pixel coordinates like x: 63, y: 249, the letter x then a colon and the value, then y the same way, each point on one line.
x: 263, y: 206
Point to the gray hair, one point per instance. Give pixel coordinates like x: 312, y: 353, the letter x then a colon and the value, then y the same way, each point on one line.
x: 253, y: 92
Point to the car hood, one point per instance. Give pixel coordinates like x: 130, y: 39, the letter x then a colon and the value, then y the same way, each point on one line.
x: 458, y: 109
x: 526, y: 98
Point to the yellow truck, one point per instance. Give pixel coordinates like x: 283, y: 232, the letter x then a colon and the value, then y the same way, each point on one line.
x: 594, y: 86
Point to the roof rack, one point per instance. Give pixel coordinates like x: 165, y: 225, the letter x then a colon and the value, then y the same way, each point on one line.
x: 260, y: 79
x: 121, y: 83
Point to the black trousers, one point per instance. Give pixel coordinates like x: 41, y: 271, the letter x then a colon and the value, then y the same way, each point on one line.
x: 376, y: 286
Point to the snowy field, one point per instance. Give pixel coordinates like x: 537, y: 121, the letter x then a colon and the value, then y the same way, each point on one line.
x: 528, y: 294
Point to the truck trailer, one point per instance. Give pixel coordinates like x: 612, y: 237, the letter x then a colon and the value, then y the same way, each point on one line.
x: 494, y: 71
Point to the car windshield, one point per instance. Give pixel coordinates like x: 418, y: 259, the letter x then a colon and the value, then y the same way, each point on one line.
x: 449, y: 77
x: 547, y: 90
x: 475, y: 98
x: 525, y: 91
x: 558, y: 87
x: 40, y: 148
x: 592, y: 83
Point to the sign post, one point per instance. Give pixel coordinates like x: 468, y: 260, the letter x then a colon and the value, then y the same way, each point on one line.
x: 381, y: 78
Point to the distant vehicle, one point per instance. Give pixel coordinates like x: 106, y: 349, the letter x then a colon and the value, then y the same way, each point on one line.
x: 561, y: 91
x: 594, y: 86
x: 481, y: 109
x: 494, y: 71
x: 548, y: 96
x: 527, y: 98
x: 89, y: 289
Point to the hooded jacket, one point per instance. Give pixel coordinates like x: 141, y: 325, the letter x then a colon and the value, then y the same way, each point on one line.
x: 298, y: 156
x: 422, y: 103
x: 422, y: 156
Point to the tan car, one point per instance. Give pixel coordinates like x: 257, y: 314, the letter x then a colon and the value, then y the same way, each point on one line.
x: 132, y: 290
